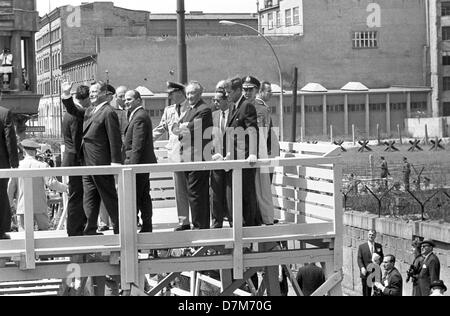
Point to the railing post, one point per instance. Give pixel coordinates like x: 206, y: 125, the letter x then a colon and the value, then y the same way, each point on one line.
x: 129, y: 269
x: 338, y: 226
x: 238, y: 256
x: 30, y: 260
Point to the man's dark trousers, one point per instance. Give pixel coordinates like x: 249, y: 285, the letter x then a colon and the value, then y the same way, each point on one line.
x: 5, y: 209
x: 97, y: 189
x: 144, y: 201
x: 367, y: 291
x: 76, y: 218
x: 198, y: 194
x: 220, y: 208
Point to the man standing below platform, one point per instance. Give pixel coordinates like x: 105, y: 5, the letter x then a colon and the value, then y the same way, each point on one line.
x: 138, y: 150
x: 9, y: 158
x: 365, y: 255
x: 173, y: 114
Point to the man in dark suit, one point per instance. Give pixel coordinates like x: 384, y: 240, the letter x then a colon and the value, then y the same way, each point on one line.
x: 102, y: 146
x: 219, y: 204
x: 310, y: 278
x: 242, y: 144
x: 9, y: 158
x: 365, y: 254
x: 392, y: 281
x: 72, y: 129
x: 431, y: 268
x: 191, y: 129
x: 138, y: 149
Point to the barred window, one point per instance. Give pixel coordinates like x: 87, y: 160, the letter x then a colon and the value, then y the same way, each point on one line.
x: 367, y: 39
x: 278, y: 14
x: 446, y: 83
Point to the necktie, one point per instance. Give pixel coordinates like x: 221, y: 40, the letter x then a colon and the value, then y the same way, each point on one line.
x: 372, y: 250
x: 223, y: 123
x: 179, y: 110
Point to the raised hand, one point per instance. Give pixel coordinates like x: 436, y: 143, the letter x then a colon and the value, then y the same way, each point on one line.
x: 66, y: 87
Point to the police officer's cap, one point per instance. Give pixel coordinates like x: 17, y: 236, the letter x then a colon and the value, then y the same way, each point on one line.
x: 29, y: 144
x: 174, y: 87
x: 251, y: 82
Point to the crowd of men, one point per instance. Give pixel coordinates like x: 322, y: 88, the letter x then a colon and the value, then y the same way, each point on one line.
x: 104, y: 126
x: 424, y: 272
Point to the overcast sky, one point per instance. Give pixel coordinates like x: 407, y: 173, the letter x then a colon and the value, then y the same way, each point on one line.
x: 163, y: 6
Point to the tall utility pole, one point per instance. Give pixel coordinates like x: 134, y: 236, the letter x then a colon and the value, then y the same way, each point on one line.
x: 182, y: 50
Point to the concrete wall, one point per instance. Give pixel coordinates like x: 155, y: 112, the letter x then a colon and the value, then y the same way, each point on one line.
x: 437, y: 127
x: 395, y: 236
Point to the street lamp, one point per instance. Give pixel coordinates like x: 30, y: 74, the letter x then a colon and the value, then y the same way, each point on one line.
x: 230, y: 23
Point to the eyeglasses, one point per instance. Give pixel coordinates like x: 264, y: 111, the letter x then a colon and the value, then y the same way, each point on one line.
x: 248, y: 89
x: 217, y: 100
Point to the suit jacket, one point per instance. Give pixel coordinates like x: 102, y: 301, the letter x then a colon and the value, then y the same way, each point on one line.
x: 138, y: 145
x: 72, y: 130
x: 9, y: 157
x: 430, y: 272
x: 393, y: 284
x: 242, y: 119
x: 199, y: 119
x: 102, y: 139
x: 365, y: 256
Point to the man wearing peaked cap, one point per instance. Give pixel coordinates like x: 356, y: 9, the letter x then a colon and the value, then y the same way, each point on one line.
x: 16, y: 188
x: 251, y: 87
x: 29, y: 144
x: 173, y: 114
x: 431, y: 268
x: 174, y: 87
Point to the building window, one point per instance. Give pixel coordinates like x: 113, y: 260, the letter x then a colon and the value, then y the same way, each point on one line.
x: 446, y: 83
x: 296, y: 15
x: 270, y: 20
x: 446, y: 33
x: 278, y: 15
x: 108, y: 32
x: 288, y: 17
x: 365, y: 39
x: 445, y: 8
x: 446, y: 60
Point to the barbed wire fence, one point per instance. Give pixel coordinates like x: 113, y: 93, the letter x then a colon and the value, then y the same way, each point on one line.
x: 427, y: 198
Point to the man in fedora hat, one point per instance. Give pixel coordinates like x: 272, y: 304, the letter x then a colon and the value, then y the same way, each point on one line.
x: 16, y: 188
x: 438, y: 288
x: 430, y: 269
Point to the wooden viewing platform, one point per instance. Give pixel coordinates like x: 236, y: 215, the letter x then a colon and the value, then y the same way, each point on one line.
x: 306, y: 193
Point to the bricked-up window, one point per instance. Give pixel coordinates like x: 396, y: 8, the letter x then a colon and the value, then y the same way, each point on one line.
x: 367, y: 39
x: 446, y: 83
x: 445, y: 8
x: 296, y: 14
x: 278, y: 14
x: 288, y: 17
x: 270, y: 19
x: 108, y: 32
x: 446, y: 33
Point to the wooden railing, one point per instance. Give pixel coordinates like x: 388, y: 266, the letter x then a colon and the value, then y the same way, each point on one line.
x: 307, y: 198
